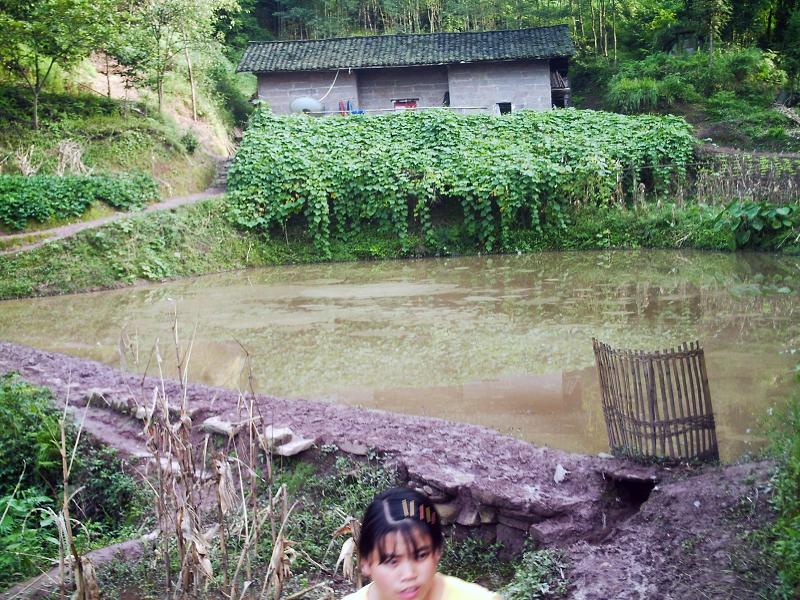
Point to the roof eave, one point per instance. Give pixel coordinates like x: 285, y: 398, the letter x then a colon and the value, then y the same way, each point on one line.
x: 406, y: 65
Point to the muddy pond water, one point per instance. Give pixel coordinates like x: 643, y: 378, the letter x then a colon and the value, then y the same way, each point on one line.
x: 503, y: 341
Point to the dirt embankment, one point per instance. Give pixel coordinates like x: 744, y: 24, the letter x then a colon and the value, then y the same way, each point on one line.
x: 628, y: 531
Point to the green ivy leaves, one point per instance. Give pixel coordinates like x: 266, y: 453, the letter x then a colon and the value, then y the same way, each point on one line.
x: 339, y: 175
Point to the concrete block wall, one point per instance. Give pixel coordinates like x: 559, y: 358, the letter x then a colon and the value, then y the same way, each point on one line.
x: 280, y: 89
x: 525, y: 84
x: 377, y: 87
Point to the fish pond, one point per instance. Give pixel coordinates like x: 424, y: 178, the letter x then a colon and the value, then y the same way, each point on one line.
x: 501, y: 341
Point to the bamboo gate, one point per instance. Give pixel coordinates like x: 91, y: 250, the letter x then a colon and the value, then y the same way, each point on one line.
x: 657, y: 405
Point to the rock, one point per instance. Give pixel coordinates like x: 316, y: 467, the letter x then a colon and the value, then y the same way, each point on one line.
x: 468, y: 516
x: 512, y: 538
x: 220, y: 426
x: 557, y: 531
x: 276, y: 436
x: 487, y: 515
x: 484, y: 496
x: 516, y: 523
x: 448, y: 512
x: 453, y: 479
x: 295, y: 446
x: 561, y: 474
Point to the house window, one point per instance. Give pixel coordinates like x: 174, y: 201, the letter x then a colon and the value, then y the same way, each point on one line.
x: 505, y: 107
x: 405, y: 103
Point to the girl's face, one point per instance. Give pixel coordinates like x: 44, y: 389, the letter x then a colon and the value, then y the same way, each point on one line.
x: 406, y: 573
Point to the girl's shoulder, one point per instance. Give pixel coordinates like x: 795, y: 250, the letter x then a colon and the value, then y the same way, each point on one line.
x: 457, y: 589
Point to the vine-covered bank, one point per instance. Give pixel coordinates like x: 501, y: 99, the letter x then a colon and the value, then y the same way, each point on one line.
x: 395, y: 172
x: 202, y: 238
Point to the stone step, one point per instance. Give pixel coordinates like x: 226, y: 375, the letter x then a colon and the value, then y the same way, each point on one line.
x: 221, y: 175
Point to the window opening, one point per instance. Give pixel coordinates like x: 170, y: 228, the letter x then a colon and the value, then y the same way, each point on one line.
x: 405, y: 103
x: 505, y: 107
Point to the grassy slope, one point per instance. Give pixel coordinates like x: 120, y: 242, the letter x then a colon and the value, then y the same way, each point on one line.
x: 197, y: 239
x: 112, y: 136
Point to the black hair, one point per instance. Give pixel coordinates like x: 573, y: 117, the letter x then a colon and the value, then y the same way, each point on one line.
x: 401, y: 510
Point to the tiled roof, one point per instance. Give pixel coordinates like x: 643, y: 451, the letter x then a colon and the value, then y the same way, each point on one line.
x: 407, y: 50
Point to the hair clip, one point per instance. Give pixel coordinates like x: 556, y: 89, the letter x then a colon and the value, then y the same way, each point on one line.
x: 426, y: 513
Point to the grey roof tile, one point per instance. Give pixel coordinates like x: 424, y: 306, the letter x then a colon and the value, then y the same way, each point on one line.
x: 407, y: 50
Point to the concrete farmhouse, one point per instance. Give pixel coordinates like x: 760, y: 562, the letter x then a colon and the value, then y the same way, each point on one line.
x: 487, y: 71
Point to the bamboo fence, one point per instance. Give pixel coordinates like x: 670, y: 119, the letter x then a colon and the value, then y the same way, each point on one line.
x: 657, y: 405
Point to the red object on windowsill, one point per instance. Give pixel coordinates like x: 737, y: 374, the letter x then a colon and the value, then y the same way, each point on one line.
x: 405, y: 104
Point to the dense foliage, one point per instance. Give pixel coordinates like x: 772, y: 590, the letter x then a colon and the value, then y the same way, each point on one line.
x: 43, y: 197
x: 758, y: 225
x: 107, y: 501
x: 736, y: 92
x: 786, y: 500
x: 517, y: 170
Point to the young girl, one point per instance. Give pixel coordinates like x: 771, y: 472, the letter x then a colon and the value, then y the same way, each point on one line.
x: 400, y: 547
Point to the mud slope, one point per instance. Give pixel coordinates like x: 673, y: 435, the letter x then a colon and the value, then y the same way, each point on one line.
x: 629, y: 531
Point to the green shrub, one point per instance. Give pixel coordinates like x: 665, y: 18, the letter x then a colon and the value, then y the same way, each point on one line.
x: 105, y: 498
x: 227, y: 86
x: 501, y: 172
x: 474, y: 559
x: 26, y: 535
x: 190, y: 141
x: 540, y: 574
x: 631, y: 95
x: 748, y: 73
x: 786, y: 499
x: 30, y: 424
x: 42, y: 197
x: 759, y: 225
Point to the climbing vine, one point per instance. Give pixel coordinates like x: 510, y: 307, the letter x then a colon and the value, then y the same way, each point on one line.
x: 513, y: 171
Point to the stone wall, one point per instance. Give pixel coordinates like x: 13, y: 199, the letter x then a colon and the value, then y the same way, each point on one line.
x: 378, y: 87
x: 280, y: 89
x: 525, y: 84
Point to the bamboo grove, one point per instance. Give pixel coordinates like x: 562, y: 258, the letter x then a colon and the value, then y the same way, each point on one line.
x: 599, y: 27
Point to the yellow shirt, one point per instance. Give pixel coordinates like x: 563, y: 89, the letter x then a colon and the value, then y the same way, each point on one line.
x: 454, y: 589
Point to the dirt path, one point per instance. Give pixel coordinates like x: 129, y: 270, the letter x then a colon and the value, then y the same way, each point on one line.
x: 628, y: 532
x: 58, y: 233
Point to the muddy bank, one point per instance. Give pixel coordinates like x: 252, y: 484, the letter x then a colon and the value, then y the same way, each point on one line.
x: 620, y: 522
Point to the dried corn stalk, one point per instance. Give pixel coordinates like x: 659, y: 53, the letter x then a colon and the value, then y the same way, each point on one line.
x: 280, y: 565
x: 348, y: 555
x: 70, y: 158
x: 24, y: 160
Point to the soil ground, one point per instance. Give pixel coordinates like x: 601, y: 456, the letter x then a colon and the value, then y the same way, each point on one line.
x: 628, y: 531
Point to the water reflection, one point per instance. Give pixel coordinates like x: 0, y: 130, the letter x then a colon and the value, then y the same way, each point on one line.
x: 500, y: 341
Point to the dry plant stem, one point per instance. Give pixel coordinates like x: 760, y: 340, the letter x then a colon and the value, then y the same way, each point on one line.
x: 82, y: 592
x: 248, y: 543
x: 223, y: 542
x: 303, y: 592
x: 16, y: 489
x: 265, y: 589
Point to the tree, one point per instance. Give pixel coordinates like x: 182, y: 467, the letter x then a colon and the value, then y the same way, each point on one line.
x: 35, y: 36
x: 162, y: 30
x: 791, y: 50
x: 713, y: 15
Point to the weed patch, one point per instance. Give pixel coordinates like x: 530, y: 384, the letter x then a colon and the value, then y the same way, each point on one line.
x: 109, y: 501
